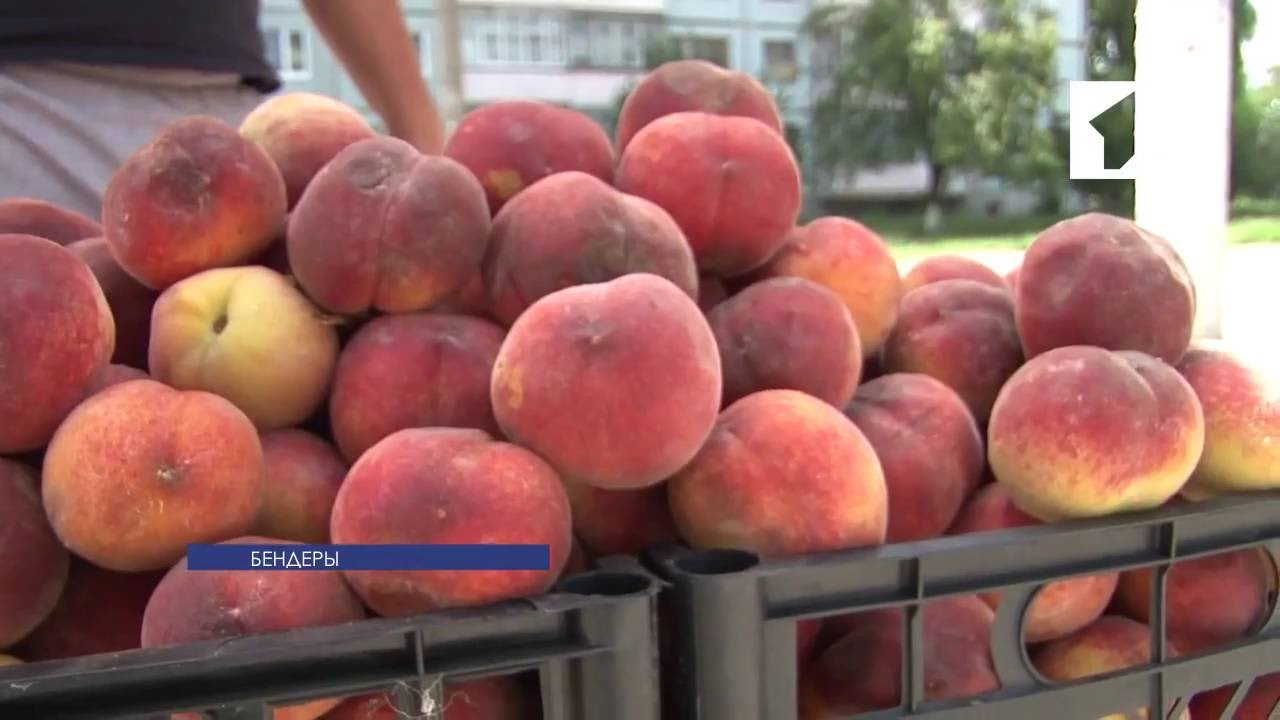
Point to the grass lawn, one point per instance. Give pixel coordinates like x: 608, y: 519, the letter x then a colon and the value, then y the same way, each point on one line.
x: 962, y: 233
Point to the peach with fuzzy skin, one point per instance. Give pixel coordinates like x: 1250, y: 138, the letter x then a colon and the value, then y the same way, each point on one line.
x: 1102, y: 280
x: 1059, y: 608
x: 33, y: 565
x: 1241, y: 402
x: 450, y: 485
x: 130, y: 301
x: 510, y: 145
x: 787, y: 333
x: 249, y: 335
x: 620, y: 522
x: 1109, y: 644
x: 929, y: 448
x: 418, y: 370
x: 574, y: 229
x: 710, y: 172
x: 783, y: 473
x: 384, y: 227
x: 303, y: 473
x: 861, y: 671
x: 616, y: 384
x: 100, y: 611
x: 301, y: 132
x: 852, y: 260
x: 491, y: 698
x: 1209, y: 601
x: 29, y: 216
x: 471, y: 299
x: 1085, y: 432
x: 693, y: 85
x: 198, y: 196
x: 56, y: 334
x: 950, y: 267
x: 140, y: 470
x: 961, y: 332
x: 1259, y: 703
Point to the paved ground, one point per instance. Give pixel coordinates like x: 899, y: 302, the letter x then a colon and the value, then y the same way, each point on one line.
x: 1251, y: 295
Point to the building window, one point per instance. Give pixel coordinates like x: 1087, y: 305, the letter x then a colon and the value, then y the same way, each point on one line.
x: 288, y: 51
x: 711, y: 49
x: 780, y: 61
x: 514, y: 37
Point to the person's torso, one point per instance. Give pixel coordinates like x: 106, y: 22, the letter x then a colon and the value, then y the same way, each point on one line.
x: 219, y: 36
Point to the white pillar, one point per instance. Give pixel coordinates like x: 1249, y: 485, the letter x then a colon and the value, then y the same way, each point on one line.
x: 1182, y: 137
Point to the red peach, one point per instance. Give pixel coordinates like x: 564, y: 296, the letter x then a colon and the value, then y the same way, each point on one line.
x: 198, y: 196
x: 575, y: 381
x: 1259, y: 703
x: 512, y: 144
x: 111, y: 375
x: 450, y: 485
x: 33, y: 565
x: 950, y: 267
x: 928, y: 446
x: 417, y: 370
x: 1084, y: 432
x: 140, y: 470
x: 620, y: 522
x: 572, y: 228
x: 43, y: 219
x: 303, y: 473
x: 56, y: 334
x: 710, y: 172
x: 783, y: 473
x: 384, y: 227
x: 130, y: 301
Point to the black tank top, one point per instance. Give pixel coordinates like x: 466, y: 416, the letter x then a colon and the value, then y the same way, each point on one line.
x: 208, y: 35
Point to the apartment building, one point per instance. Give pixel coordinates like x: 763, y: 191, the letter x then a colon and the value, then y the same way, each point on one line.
x: 587, y: 53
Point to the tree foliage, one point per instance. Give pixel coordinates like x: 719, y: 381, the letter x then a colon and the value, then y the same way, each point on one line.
x: 964, y: 85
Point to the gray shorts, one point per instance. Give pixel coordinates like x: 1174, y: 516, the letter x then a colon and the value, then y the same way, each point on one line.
x: 64, y: 129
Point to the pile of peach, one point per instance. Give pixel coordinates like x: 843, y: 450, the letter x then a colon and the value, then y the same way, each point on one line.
x: 302, y: 331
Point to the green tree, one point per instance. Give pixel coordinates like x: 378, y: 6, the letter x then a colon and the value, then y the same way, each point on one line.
x: 1261, y: 171
x: 965, y: 85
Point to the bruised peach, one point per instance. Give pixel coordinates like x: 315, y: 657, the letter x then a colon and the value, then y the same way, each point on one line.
x: 130, y: 301
x: 928, y: 446
x: 787, y: 333
x: 43, y: 219
x: 450, y: 485
x: 303, y: 473
x: 1209, y: 601
x: 573, y: 229
x: 783, y: 473
x: 711, y: 172
x: 961, y: 332
x: 862, y: 670
x: 693, y: 85
x: 140, y: 470
x: 1060, y: 607
x: 1241, y: 402
x: 1102, y: 280
x: 198, y: 196
x: 56, y: 334
x: 851, y: 260
x: 33, y: 565
x: 301, y: 132
x: 100, y: 611
x: 577, y: 381
x: 1085, y: 432
x: 384, y: 227
x: 417, y: 370
x: 512, y: 144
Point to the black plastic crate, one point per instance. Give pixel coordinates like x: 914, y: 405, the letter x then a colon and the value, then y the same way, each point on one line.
x: 592, y: 643
x: 730, y: 618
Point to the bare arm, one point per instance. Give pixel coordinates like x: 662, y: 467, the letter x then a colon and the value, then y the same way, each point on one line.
x: 371, y: 40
